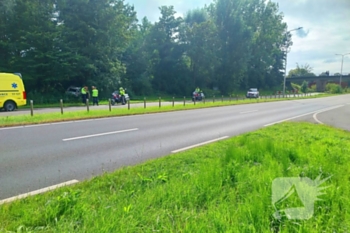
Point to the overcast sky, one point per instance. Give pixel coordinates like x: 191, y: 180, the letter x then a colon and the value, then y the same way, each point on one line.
x: 326, y: 29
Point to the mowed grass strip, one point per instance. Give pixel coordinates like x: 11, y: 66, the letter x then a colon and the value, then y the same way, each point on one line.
x: 40, y: 118
x: 222, y: 187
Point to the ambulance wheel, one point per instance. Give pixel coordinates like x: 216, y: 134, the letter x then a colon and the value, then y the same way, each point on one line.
x: 9, y: 106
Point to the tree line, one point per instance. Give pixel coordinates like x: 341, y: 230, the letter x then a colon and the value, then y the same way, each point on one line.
x: 226, y: 45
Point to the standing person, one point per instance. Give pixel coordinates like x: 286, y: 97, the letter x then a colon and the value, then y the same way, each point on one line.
x: 94, y: 95
x: 83, y: 94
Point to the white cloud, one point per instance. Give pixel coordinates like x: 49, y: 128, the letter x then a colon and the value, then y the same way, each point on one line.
x: 328, y: 27
x: 325, y: 28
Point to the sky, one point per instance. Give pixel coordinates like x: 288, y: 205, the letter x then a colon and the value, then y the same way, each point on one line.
x: 325, y: 32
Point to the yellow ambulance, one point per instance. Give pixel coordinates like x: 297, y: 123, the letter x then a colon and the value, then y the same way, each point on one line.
x: 12, y: 92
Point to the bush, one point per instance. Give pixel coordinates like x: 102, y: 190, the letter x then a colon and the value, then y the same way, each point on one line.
x: 312, y: 88
x: 304, y: 86
x: 209, y: 93
x: 296, y: 87
x: 333, y: 88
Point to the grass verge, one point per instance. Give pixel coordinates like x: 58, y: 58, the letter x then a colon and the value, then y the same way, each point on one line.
x: 39, y: 118
x: 221, y: 187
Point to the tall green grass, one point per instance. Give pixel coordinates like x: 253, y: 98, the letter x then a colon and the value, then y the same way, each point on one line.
x: 222, y: 187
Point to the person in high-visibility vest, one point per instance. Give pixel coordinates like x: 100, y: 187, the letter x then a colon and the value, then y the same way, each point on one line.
x: 84, y: 94
x: 94, y: 95
x: 122, y: 95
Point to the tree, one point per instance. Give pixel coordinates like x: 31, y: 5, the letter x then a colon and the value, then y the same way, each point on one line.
x: 58, y: 43
x: 268, y: 41
x: 28, y: 43
x: 137, y: 59
x: 198, y: 34
x: 233, y: 44
x: 96, y: 33
x: 303, y: 70
x: 166, y: 53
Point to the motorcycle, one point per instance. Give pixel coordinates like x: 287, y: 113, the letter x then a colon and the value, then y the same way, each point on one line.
x: 118, y: 98
x: 197, y: 96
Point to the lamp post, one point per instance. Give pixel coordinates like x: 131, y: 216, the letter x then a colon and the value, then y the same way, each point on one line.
x: 285, y: 68
x: 341, y: 69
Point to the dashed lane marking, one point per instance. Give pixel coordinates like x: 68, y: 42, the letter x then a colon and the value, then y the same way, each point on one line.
x: 98, y: 135
x: 249, y: 112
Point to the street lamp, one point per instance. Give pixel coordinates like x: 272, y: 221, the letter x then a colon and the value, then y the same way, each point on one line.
x: 285, y: 68
x: 341, y: 69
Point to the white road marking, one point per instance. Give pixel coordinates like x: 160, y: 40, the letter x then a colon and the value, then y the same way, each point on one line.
x: 15, y: 127
x: 326, y: 109
x: 249, y: 112
x: 43, y: 190
x: 38, y: 125
x: 199, y: 144
x: 315, y: 118
x: 61, y: 123
x: 98, y: 135
x: 315, y: 115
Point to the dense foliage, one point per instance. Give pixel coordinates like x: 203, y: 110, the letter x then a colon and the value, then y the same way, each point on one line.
x: 301, y: 70
x: 228, y: 45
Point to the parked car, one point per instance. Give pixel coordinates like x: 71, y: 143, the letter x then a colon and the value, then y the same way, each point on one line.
x: 253, y: 93
x: 75, y: 91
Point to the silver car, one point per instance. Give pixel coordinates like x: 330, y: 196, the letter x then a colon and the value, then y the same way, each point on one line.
x: 253, y: 93
x: 75, y: 91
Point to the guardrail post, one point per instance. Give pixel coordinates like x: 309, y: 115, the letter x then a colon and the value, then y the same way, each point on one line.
x: 31, y: 108
x: 61, y: 105
x: 160, y: 105
x: 184, y: 100
x: 87, y: 105
x: 144, y: 102
x: 109, y: 105
x: 128, y: 104
x: 173, y: 101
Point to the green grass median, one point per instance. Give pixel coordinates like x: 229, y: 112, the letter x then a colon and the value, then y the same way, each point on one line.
x: 222, y: 187
x: 39, y: 118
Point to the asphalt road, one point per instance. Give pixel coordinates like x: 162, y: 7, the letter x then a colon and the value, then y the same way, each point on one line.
x: 38, y: 156
x: 339, y: 117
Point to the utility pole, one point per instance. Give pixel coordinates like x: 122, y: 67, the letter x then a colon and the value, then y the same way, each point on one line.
x: 341, y: 69
x: 285, y: 68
